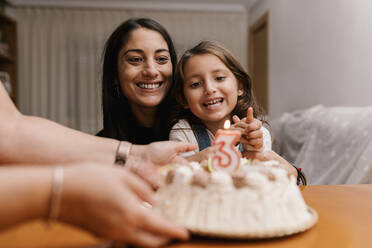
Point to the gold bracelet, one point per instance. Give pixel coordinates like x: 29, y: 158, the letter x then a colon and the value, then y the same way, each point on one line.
x: 56, y: 195
x: 122, y: 152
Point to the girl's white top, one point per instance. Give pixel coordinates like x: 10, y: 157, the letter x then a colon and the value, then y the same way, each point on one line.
x: 182, y: 131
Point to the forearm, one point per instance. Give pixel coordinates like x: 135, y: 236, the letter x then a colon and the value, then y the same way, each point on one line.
x: 24, y: 194
x: 26, y: 139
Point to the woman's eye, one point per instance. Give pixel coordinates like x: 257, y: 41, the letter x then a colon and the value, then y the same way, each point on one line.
x: 162, y: 59
x: 220, y: 78
x: 194, y: 84
x: 134, y: 60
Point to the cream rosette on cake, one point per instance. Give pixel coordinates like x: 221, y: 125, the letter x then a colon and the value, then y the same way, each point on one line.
x: 257, y: 201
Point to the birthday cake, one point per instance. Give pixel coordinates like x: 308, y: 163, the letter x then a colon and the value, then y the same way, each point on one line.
x: 257, y: 201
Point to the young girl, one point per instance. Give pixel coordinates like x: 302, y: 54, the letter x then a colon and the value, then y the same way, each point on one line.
x: 211, y: 86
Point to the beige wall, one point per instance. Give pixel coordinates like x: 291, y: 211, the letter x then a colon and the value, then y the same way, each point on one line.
x: 320, y: 52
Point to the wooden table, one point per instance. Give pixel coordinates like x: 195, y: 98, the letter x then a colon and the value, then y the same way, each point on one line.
x: 345, y: 220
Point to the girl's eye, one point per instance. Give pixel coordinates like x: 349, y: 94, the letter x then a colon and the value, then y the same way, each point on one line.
x: 220, y: 78
x: 194, y: 84
x: 134, y: 60
x: 162, y: 60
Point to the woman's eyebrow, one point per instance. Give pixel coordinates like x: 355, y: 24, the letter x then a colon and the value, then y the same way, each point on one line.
x: 162, y: 50
x: 141, y: 51
x: 133, y: 50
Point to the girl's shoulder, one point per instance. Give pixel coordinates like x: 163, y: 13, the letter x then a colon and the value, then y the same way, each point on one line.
x: 182, y: 131
x: 181, y: 124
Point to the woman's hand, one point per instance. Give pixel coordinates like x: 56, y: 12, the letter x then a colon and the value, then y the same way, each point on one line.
x: 163, y: 152
x: 271, y: 155
x: 143, y: 160
x: 108, y: 201
x: 250, y: 128
x: 203, y: 155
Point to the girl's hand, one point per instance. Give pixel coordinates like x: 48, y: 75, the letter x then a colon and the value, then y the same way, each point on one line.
x: 271, y: 155
x: 108, y: 201
x: 250, y: 127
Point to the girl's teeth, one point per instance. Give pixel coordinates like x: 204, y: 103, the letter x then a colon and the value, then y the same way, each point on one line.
x: 214, y: 102
x: 149, y: 86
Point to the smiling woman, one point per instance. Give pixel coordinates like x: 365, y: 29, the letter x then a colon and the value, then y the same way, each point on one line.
x: 138, y: 65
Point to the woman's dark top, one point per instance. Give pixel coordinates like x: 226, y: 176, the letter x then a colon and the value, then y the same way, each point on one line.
x: 121, y: 124
x: 142, y: 135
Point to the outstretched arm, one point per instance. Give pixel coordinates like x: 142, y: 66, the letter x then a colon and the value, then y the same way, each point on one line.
x: 271, y: 155
x: 105, y: 200
x: 26, y: 139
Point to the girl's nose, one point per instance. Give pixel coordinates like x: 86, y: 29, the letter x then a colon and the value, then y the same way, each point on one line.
x: 209, y: 87
x: 150, y: 70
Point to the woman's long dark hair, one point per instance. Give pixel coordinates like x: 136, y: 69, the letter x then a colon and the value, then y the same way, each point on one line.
x: 118, y: 119
x: 244, y: 102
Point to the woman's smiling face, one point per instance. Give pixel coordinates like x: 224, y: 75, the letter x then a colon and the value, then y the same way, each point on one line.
x: 144, y: 68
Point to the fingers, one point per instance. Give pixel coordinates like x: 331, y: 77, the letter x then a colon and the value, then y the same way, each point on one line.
x: 180, y: 147
x: 264, y: 156
x: 271, y: 155
x: 250, y: 116
x: 248, y: 127
x: 145, y: 239
x: 144, y: 169
x: 142, y: 190
x: 210, y: 151
x: 256, y: 143
x: 235, y: 119
x: 257, y: 134
x: 256, y: 155
x: 240, y: 125
x: 132, y: 228
x: 154, y: 223
x: 148, y: 172
x: 254, y: 125
x: 180, y: 160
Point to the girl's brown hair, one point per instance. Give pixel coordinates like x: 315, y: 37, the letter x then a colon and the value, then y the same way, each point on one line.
x: 244, y: 101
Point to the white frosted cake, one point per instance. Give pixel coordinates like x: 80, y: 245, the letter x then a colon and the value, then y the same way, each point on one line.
x: 255, y: 202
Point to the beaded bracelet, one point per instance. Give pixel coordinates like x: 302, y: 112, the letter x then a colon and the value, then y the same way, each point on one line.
x: 301, y: 178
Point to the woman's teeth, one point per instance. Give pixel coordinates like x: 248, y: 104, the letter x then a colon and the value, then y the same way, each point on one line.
x: 149, y: 86
x: 216, y: 101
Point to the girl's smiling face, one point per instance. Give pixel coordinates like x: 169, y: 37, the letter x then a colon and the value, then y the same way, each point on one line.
x: 210, y: 89
x: 144, y: 68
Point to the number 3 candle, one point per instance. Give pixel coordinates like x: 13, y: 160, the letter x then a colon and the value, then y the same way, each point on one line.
x: 227, y: 156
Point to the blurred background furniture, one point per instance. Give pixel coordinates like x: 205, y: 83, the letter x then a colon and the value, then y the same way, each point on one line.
x: 332, y: 145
